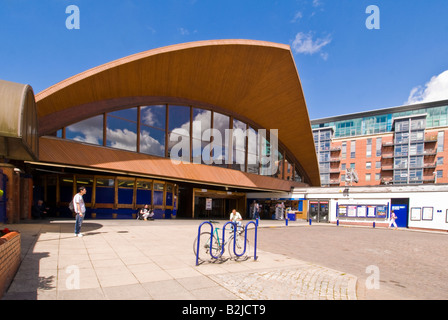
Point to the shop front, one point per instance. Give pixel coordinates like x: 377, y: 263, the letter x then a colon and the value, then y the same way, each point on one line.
x: 108, y: 196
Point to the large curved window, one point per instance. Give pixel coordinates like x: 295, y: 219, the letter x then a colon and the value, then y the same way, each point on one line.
x: 239, y: 134
x: 220, y: 149
x: 187, y: 134
x: 253, y: 163
x: 201, y: 123
x: 122, y: 129
x: 89, y: 130
x: 152, y: 130
x: 178, y: 133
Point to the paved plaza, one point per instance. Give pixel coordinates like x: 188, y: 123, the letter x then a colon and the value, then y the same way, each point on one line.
x: 139, y: 260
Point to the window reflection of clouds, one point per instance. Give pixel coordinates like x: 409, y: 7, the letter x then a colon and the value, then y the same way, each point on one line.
x: 121, y: 134
x: 239, y: 145
x: 252, y: 151
x: 128, y: 114
x: 152, y: 141
x: 201, y: 122
x: 153, y: 116
x: 179, y: 117
x: 89, y: 130
x: 221, y: 122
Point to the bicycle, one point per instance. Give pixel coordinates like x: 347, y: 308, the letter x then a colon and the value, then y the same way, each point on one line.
x: 217, y: 248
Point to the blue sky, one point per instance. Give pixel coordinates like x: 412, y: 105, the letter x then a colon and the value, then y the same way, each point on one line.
x: 344, y: 67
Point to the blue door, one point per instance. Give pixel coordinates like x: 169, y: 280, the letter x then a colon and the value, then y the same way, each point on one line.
x: 401, y: 211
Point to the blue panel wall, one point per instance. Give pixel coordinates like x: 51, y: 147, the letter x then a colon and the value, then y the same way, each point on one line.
x: 105, y: 195
x: 143, y: 197
x: 125, y: 196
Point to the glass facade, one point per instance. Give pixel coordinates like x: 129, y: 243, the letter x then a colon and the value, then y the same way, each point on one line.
x: 436, y: 116
x: 322, y: 142
x: 407, y: 151
x: 152, y: 130
x: 204, y: 137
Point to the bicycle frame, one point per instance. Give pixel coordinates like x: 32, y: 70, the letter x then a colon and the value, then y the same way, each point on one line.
x: 212, y: 231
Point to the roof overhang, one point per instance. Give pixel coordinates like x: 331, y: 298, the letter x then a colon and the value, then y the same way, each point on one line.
x: 18, y: 121
x: 255, y: 81
x: 70, y: 154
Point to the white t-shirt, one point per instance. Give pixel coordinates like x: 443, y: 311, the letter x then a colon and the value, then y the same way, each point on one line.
x: 235, y: 217
x: 79, y: 199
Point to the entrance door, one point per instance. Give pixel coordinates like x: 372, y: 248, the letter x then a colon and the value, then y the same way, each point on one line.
x: 400, y: 207
x: 401, y: 211
x: 319, y: 211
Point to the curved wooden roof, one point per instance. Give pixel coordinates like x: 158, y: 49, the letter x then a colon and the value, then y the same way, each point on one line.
x: 18, y: 121
x: 253, y: 80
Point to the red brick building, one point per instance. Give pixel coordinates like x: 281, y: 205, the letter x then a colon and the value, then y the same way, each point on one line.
x: 402, y: 145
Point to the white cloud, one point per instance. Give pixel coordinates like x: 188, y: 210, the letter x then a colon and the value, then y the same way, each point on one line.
x: 304, y: 43
x: 297, y: 17
x: 436, y: 89
x: 316, y: 3
x: 90, y: 130
x: 184, y: 31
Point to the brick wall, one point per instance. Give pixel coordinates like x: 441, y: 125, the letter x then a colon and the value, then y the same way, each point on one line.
x: 9, y: 259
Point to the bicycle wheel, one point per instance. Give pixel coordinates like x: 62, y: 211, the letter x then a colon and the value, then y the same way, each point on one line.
x: 239, y: 253
x: 204, y: 246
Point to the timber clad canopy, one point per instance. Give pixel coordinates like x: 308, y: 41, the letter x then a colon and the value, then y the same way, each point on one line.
x: 126, y: 163
x: 18, y: 122
x: 252, y: 80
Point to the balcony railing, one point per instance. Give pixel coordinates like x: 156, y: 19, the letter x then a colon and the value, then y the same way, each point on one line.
x: 431, y: 152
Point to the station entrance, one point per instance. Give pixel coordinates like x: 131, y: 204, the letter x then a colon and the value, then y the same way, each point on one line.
x: 214, y: 204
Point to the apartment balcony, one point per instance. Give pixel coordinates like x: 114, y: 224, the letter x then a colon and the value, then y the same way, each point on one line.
x: 430, y: 152
x: 431, y: 139
x: 429, y: 179
x: 335, y: 170
x: 429, y: 166
x: 387, y: 180
x: 335, y: 159
x: 335, y: 149
x: 335, y: 182
x: 387, y: 167
x: 387, y: 155
x: 387, y: 144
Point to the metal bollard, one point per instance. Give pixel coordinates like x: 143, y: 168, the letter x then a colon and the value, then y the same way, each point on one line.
x: 286, y: 221
x: 374, y: 224
x: 310, y: 221
x: 337, y: 222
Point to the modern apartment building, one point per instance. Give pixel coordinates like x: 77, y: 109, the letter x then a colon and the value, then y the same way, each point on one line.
x: 404, y: 145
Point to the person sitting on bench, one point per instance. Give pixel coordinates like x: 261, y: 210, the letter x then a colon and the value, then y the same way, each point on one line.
x: 144, y: 213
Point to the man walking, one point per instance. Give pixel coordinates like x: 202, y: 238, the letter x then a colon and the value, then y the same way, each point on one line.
x: 392, y: 219
x: 80, y: 209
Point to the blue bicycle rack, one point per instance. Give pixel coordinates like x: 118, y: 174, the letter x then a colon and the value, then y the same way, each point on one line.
x: 223, y: 239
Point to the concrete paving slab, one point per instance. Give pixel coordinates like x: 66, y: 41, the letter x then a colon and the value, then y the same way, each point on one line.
x: 122, y: 259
